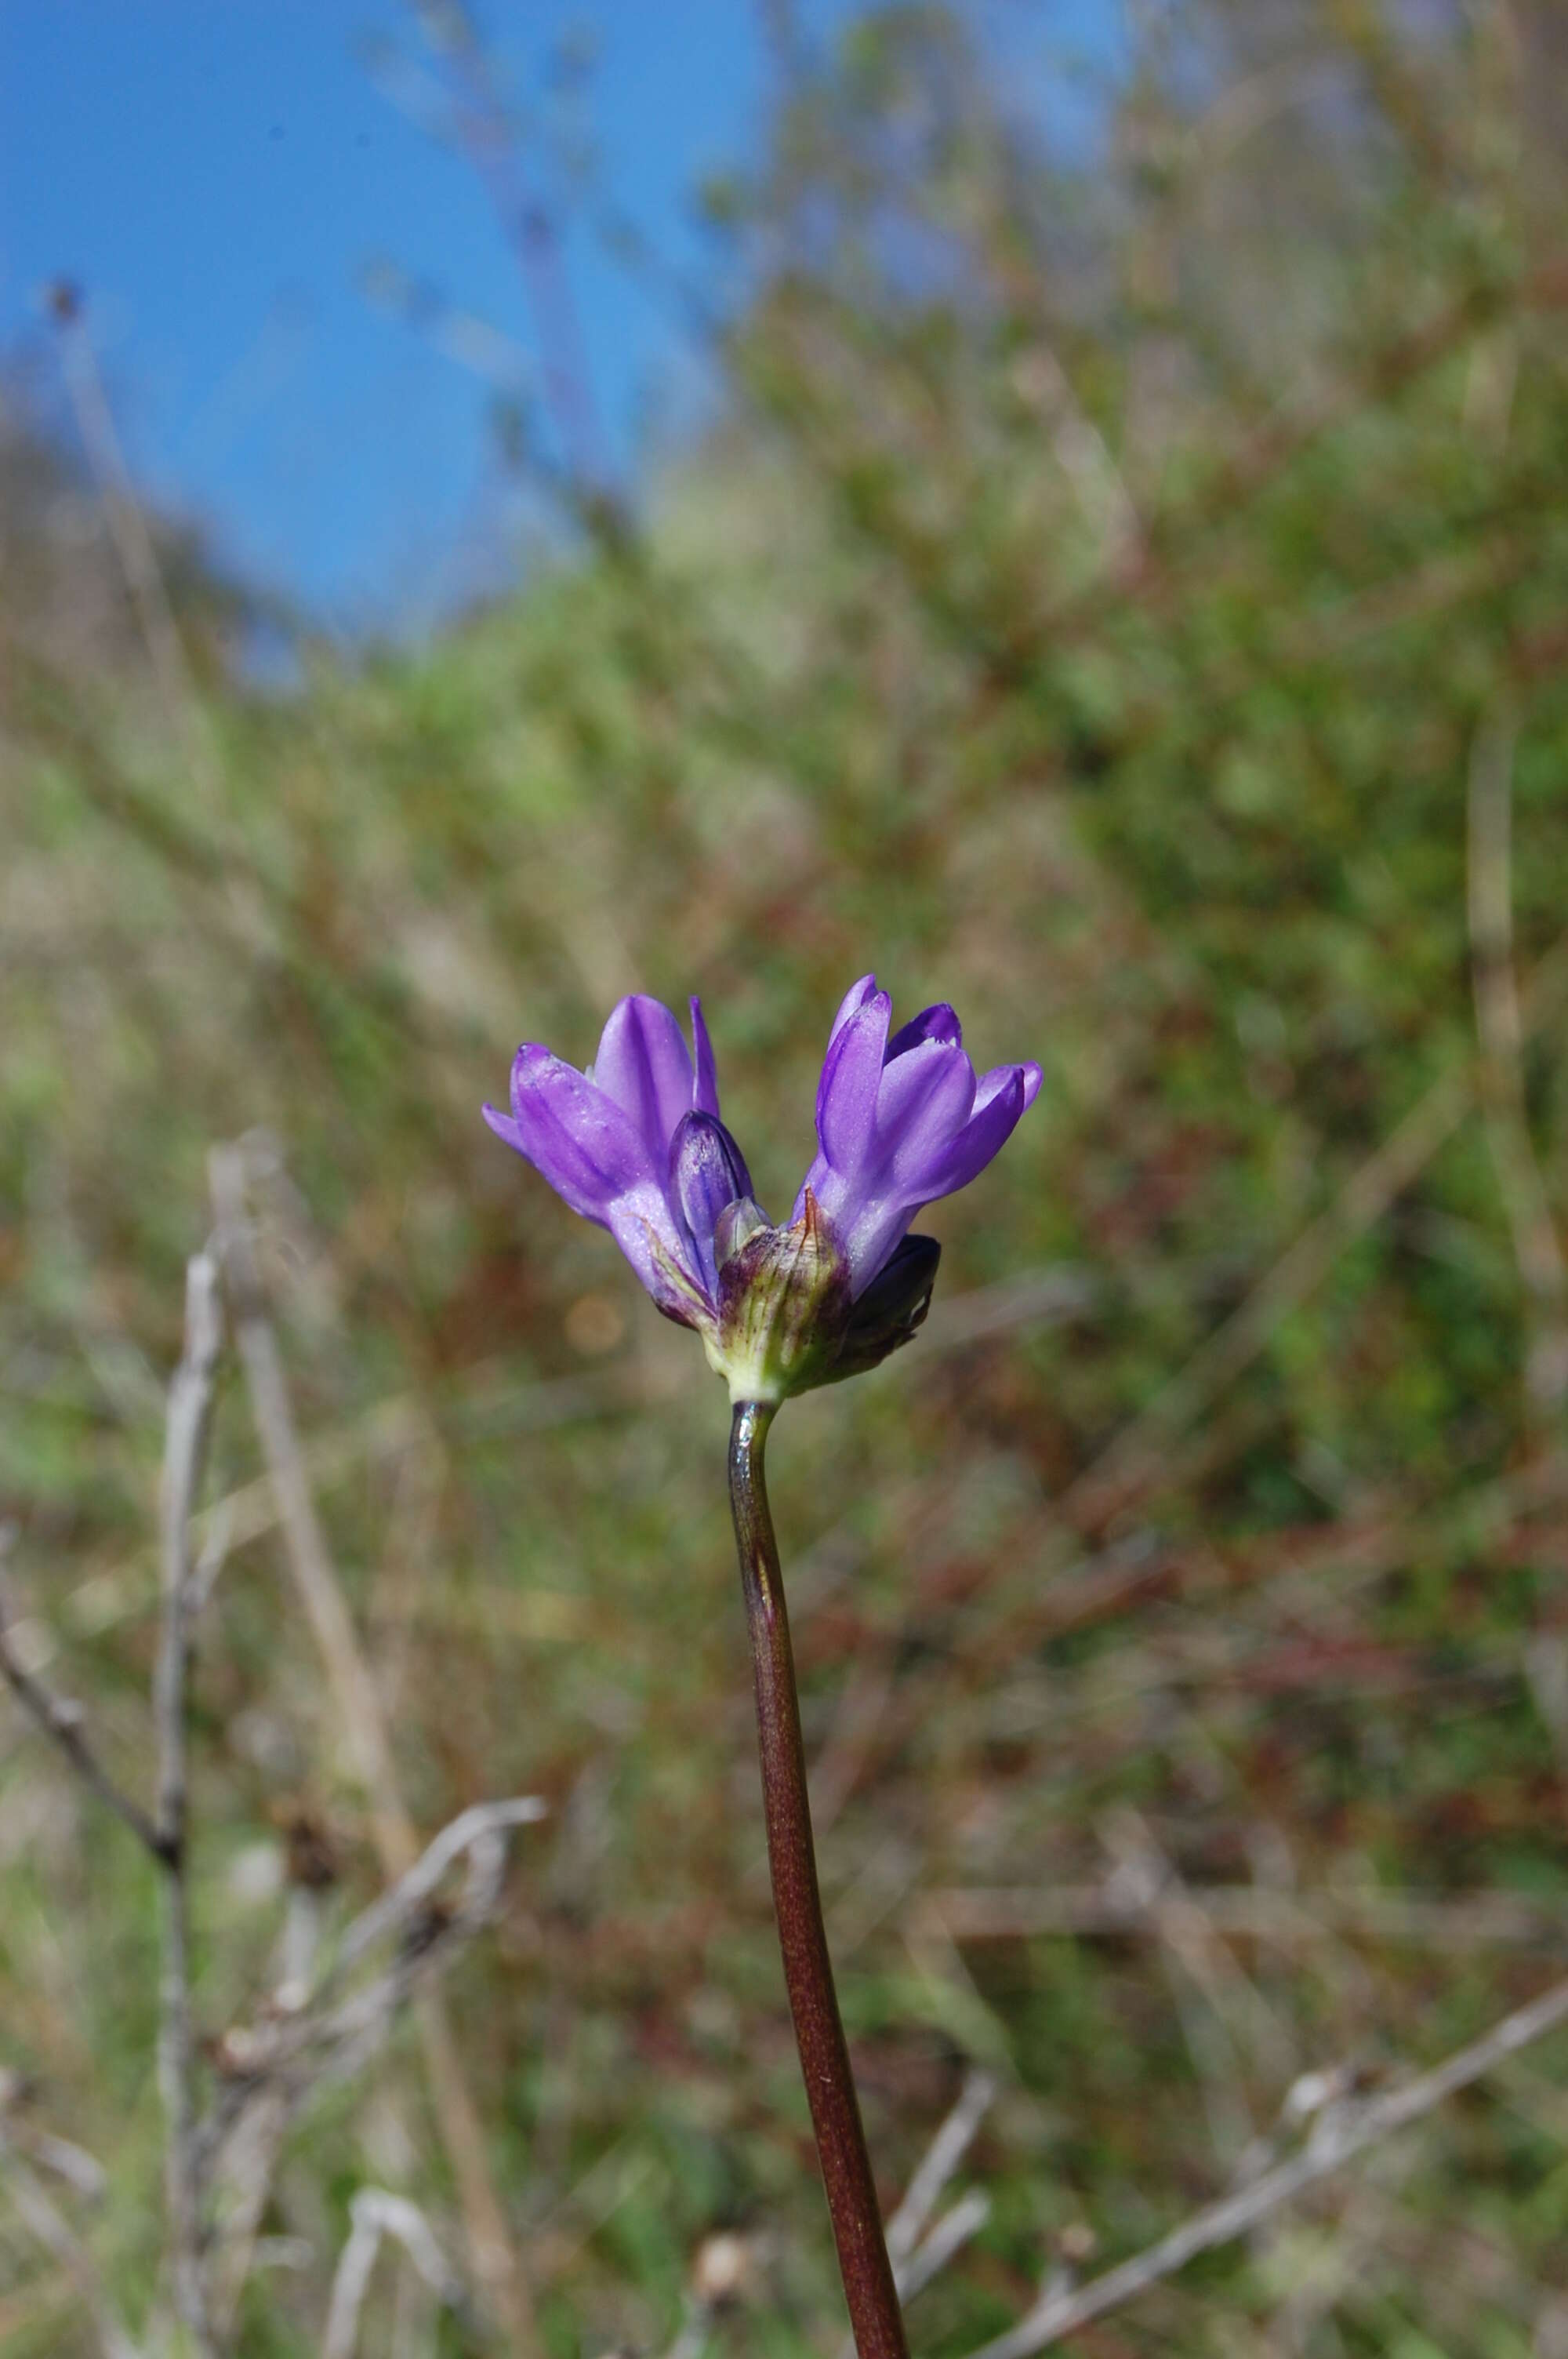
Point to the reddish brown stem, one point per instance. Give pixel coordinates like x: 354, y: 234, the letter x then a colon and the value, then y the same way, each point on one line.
x: 863, y: 2260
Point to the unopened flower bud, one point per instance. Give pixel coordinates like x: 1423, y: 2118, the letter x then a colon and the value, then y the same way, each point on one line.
x: 890, y: 1308
x: 735, y: 1226
x: 708, y: 1173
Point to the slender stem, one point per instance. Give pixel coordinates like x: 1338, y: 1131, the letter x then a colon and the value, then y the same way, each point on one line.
x: 863, y: 2260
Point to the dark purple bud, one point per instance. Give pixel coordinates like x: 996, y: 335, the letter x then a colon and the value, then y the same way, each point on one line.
x: 708, y: 1173
x: 890, y: 1308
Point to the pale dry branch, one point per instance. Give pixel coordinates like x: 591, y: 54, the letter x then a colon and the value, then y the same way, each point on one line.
x: 185, y: 1454
x: 376, y: 2213
x: 494, y: 2262
x: 918, y: 2257
x: 60, y: 1719
x: 945, y: 2241
x: 936, y: 2167
x: 163, y: 1836
x: 1341, y: 2133
x: 83, y: 2172
x: 1119, y: 1906
x: 292, y: 2051
x: 476, y: 1828
x: 45, y: 2222
x: 243, y: 2163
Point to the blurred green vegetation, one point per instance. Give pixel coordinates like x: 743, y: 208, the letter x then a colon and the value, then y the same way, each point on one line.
x: 1115, y: 593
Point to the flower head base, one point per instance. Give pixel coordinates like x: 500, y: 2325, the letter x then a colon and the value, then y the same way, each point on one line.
x: 783, y: 1305
x: 635, y: 1143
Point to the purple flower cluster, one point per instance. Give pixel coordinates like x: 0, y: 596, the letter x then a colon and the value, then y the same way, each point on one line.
x: 635, y: 1143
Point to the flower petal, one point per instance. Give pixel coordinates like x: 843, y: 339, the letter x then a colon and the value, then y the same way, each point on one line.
x: 582, y: 1143
x: 643, y: 1066
x: 705, y: 1091
x: 505, y: 1128
x: 1000, y: 1101
x: 585, y: 1146
x: 659, y: 1250
x: 876, y: 1224
x: 938, y: 1023
x: 853, y: 1000
x: 851, y: 1072
x: 926, y: 1097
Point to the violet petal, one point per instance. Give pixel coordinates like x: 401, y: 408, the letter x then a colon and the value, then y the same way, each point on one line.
x: 582, y: 1143
x: 938, y: 1023
x: 643, y: 1066
x: 872, y: 1232
x: 926, y: 1097
x: 1002, y: 1098
x: 644, y: 1228
x: 853, y: 1000
x: 851, y: 1073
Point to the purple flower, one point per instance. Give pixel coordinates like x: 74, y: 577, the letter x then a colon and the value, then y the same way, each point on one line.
x: 636, y: 1144
x: 902, y: 1122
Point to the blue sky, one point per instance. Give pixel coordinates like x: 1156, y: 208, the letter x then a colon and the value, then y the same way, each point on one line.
x: 219, y: 175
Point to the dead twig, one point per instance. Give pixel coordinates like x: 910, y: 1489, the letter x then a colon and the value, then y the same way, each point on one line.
x: 60, y: 1719
x: 941, y: 2160
x: 300, y: 2049
x: 478, y: 1826
x: 46, y: 2223
x: 494, y: 2262
x: 375, y: 2214
x: 488, y: 136
x: 185, y: 1454
x: 1121, y: 1905
x: 1341, y: 2133
x: 946, y: 2239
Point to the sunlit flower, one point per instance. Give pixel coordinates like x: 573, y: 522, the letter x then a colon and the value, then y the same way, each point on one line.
x: 635, y: 1143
